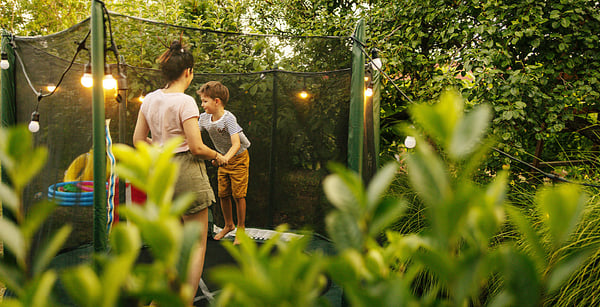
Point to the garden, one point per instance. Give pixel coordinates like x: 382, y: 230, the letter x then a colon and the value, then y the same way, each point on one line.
x: 493, y: 204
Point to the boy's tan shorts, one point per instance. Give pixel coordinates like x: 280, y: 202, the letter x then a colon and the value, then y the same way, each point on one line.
x: 233, y: 177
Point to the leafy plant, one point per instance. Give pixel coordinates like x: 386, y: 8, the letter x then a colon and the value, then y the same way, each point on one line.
x: 28, y: 276
x: 277, y: 273
x: 119, y: 279
x: 115, y: 278
x: 455, y: 258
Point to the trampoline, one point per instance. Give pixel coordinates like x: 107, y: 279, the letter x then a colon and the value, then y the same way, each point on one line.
x: 293, y: 137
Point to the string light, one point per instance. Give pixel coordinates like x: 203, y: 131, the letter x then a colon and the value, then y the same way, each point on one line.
x: 369, y: 92
x: 109, y: 82
x: 34, y: 124
x: 376, y: 60
x: 86, y: 80
x: 303, y: 94
x: 410, y: 142
x: 50, y: 88
x: 4, y: 63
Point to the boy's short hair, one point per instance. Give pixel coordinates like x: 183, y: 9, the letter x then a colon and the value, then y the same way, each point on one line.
x: 215, y: 89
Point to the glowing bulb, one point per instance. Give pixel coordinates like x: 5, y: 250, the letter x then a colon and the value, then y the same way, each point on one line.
x: 369, y: 92
x: 109, y: 83
x: 87, y: 80
x: 410, y: 142
x: 50, y: 88
x: 141, y: 98
x: 34, y: 124
x: 366, y: 78
x: 303, y: 94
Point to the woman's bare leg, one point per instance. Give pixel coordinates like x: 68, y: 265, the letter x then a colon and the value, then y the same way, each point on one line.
x: 197, y: 265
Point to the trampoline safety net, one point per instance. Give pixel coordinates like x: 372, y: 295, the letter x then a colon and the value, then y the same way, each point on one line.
x: 292, y: 138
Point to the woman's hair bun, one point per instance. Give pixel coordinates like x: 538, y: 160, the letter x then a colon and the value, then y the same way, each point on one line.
x: 176, y: 46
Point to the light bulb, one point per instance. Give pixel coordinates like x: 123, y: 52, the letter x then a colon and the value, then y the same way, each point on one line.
x: 369, y: 92
x: 34, y: 124
x: 303, y: 94
x: 50, y: 88
x: 376, y: 63
x: 4, y: 61
x: 410, y: 142
x: 109, y: 82
x: 87, y: 80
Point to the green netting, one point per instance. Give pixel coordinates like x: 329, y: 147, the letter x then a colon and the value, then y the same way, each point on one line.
x: 292, y: 138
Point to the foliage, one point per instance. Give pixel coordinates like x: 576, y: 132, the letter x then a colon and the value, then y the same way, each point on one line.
x: 115, y: 278
x: 455, y: 259
x: 27, y: 275
x: 120, y: 279
x: 274, y: 274
x: 534, y: 62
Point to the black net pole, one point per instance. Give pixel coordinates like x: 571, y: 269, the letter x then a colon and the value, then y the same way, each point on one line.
x: 272, y: 156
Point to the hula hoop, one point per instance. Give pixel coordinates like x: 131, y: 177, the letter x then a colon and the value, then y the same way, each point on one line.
x: 74, y: 198
x: 87, y: 186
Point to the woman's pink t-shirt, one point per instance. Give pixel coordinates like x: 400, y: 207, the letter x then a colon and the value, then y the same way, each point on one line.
x: 165, y: 114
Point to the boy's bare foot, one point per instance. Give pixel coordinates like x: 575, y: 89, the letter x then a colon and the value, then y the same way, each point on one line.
x: 223, y: 232
x: 236, y: 241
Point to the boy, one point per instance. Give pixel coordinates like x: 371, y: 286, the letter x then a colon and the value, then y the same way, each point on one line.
x: 230, y: 141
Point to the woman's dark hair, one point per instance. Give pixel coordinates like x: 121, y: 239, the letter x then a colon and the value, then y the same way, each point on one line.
x: 175, y: 61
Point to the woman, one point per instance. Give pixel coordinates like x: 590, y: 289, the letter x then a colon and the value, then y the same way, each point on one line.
x: 168, y: 113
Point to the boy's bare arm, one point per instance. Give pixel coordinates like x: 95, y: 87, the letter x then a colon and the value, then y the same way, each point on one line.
x: 235, y: 146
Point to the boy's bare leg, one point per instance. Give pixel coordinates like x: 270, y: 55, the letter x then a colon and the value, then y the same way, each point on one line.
x: 241, y: 217
x: 227, y: 216
x: 198, y: 255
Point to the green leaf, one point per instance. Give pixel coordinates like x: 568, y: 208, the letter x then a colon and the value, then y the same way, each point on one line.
x: 36, y: 217
x: 40, y: 290
x: 29, y: 165
x: 568, y: 265
x: 50, y: 249
x: 521, y: 278
x: 164, y: 238
x: 470, y: 131
x: 13, y: 240
x: 561, y: 208
x: 386, y: 213
x: 341, y: 194
x: 182, y: 203
x: 125, y: 239
x: 83, y: 285
x: 427, y: 175
x: 534, y: 241
x: 12, y: 278
x: 344, y: 231
x: 380, y: 183
x: 114, y: 275
x: 440, y: 119
x: 9, y: 198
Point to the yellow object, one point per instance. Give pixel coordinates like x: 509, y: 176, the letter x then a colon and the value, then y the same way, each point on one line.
x: 82, y: 168
x: 77, y: 168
